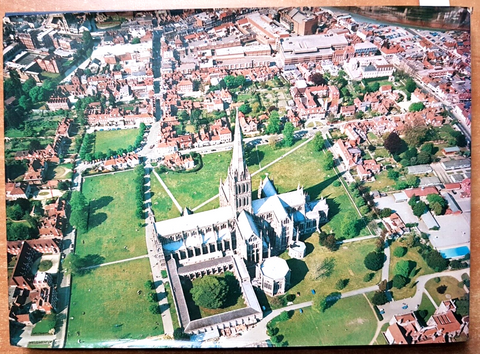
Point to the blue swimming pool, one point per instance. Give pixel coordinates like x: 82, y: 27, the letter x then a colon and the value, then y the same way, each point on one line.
x: 455, y: 252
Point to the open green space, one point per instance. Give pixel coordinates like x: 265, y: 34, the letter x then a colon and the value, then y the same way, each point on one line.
x: 162, y: 205
x: 350, y: 321
x: 262, y: 155
x: 214, y: 204
x: 193, y: 188
x: 382, y: 182
x: 110, y: 304
x: 39, y: 345
x: 453, y: 291
x: 381, y: 338
x: 347, y: 264
x: 421, y: 268
x: 60, y: 171
x: 114, y: 139
x: 45, y: 325
x: 425, y: 310
x: 114, y: 232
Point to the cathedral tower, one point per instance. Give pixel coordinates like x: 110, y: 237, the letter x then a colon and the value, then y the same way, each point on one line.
x: 236, y: 191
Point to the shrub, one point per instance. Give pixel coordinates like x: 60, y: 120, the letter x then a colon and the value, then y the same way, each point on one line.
x: 399, y: 281
x: 400, y: 251
x: 154, y: 309
x: 441, y: 289
x: 379, y: 298
x: 368, y: 277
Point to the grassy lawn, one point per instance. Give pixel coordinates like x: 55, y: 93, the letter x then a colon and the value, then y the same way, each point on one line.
x: 453, y: 290
x: 106, y: 306
x: 350, y: 321
x: 60, y: 172
x: 381, y: 338
x: 114, y: 139
x: 214, y: 204
x: 381, y: 183
x: 426, y: 309
x: 262, y: 155
x: 112, y: 224
x: 162, y: 205
x: 45, y: 325
x: 39, y: 345
x: 192, y: 189
x: 381, y: 152
x: 348, y: 264
x: 421, y: 268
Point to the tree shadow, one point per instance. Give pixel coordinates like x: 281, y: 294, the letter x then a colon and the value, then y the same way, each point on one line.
x: 333, y: 207
x: 96, y: 220
x: 263, y: 300
x: 92, y: 260
x: 299, y: 270
x: 234, y: 290
x: 100, y: 203
x: 309, y: 247
x: 315, y: 191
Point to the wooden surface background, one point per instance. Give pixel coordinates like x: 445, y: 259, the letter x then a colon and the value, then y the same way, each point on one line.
x: 472, y: 346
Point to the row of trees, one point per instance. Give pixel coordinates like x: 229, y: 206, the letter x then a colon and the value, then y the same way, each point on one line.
x: 139, y: 171
x: 79, y: 211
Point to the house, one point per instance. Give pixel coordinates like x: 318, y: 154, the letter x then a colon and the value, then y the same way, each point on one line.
x: 17, y: 190
x: 177, y: 161
x: 394, y: 224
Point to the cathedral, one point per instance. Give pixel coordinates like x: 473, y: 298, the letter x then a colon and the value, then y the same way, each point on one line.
x: 251, y: 229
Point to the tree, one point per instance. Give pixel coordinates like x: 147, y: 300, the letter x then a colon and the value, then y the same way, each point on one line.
x: 273, y: 126
x: 350, y: 226
x: 318, y: 79
x: 245, y: 108
x: 393, y: 143
x: 25, y: 103
x: 327, y: 161
x: 178, y: 334
x: 415, y: 133
x: 149, y: 285
x: 63, y: 185
x: 461, y: 141
x: 416, y: 107
x: 154, y: 309
x: 404, y: 268
x: 441, y: 289
x: 374, y: 261
x: 15, y: 212
x: 341, y: 284
x: 87, y: 39
x: 318, y: 142
x: 435, y: 261
x: 423, y: 158
x: 399, y: 281
x: 385, y: 213
x: 412, y: 181
x: 393, y: 174
x: 427, y: 148
x: 135, y: 40
x: 419, y: 209
x: 410, y: 85
x: 413, y: 200
x: 400, y: 252
x: 210, y: 292
x: 380, y: 298
x: 288, y: 134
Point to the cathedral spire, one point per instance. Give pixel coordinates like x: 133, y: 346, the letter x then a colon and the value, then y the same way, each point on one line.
x: 238, y: 162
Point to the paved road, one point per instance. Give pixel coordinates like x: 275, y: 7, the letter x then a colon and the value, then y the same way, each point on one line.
x: 168, y: 192
x: 360, y: 291
x: 386, y: 265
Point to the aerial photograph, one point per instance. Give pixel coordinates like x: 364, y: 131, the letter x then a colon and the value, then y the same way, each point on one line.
x: 247, y: 177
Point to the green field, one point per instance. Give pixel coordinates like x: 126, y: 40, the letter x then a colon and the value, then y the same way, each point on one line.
x: 453, y: 290
x: 106, y: 306
x: 426, y: 309
x: 350, y: 321
x: 162, y: 205
x: 60, y: 172
x: 45, y: 325
x: 114, y: 139
x: 348, y: 264
x: 113, y: 229
x: 192, y: 189
x: 421, y: 268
